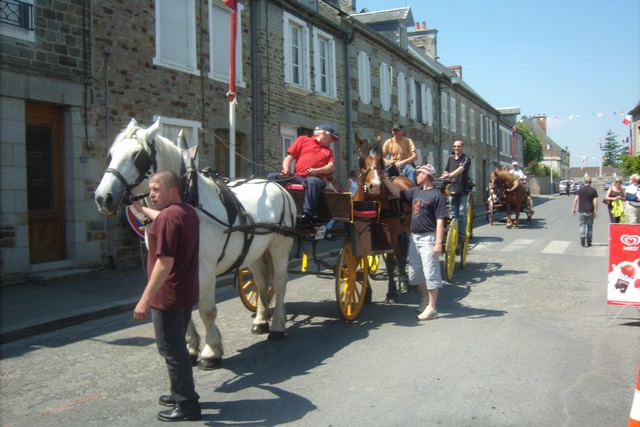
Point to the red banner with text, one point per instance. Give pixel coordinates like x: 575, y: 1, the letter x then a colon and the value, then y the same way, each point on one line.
x: 623, y: 286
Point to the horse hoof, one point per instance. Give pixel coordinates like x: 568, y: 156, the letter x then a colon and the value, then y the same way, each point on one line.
x: 194, y: 359
x: 391, y: 301
x: 210, y: 364
x: 275, y: 336
x: 260, y: 329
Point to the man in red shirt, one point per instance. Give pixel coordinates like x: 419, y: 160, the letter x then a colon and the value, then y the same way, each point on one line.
x: 314, y: 162
x: 172, y: 288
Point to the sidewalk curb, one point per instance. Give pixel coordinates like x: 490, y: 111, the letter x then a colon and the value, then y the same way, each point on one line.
x: 41, y: 326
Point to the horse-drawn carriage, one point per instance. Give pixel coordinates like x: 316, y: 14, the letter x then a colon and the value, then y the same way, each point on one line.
x: 246, y: 223
x: 502, y: 198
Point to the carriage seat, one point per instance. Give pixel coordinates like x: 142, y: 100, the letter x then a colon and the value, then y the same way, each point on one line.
x: 336, y: 204
x: 299, y: 187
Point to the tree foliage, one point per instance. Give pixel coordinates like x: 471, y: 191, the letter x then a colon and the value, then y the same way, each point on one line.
x: 612, y: 150
x: 630, y: 165
x: 532, y: 147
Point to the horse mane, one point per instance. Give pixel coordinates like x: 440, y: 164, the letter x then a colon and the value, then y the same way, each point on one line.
x: 506, y: 177
x: 131, y: 132
x: 370, y: 148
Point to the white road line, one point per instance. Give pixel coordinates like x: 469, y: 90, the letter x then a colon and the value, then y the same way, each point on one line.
x: 518, y: 245
x: 556, y: 247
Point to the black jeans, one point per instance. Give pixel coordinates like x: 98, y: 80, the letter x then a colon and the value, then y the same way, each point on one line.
x: 170, y: 328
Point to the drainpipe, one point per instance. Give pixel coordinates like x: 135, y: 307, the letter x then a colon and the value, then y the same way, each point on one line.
x: 253, y: 22
x: 348, y: 38
x: 107, y: 51
x: 439, y: 109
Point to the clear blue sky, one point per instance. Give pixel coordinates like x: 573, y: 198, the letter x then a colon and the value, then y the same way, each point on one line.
x: 577, y: 61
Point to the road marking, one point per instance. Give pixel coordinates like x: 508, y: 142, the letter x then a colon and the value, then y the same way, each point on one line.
x: 518, y: 245
x: 556, y: 247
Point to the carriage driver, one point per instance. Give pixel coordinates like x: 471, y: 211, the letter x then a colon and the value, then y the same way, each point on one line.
x: 522, y: 180
x: 314, y: 162
x: 399, y: 153
x: 428, y: 213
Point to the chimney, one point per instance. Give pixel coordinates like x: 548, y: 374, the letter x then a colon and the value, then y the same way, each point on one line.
x: 425, y: 39
x: 541, y: 121
x: 456, y: 69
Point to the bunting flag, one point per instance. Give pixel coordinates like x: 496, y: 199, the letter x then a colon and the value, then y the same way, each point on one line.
x: 627, y: 119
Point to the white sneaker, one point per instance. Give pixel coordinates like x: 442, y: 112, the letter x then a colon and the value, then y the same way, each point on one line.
x: 422, y: 306
x: 428, y: 314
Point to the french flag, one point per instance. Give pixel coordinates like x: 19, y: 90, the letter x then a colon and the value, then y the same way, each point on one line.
x: 627, y: 119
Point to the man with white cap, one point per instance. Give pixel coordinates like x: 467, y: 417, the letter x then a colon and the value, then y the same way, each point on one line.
x: 314, y: 163
x: 428, y: 214
x: 522, y: 180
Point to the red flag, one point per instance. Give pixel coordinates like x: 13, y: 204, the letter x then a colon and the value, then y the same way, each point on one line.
x: 627, y: 119
x: 232, y: 4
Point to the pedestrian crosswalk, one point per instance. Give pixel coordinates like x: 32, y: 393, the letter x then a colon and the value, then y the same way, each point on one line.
x: 541, y: 246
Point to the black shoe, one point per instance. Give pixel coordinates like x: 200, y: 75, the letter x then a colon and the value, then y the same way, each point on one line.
x: 305, y: 220
x: 166, y: 400
x: 582, y: 242
x: 588, y: 244
x: 192, y: 413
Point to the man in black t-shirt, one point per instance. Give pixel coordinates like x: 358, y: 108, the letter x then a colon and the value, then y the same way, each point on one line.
x: 587, y: 201
x: 457, y: 168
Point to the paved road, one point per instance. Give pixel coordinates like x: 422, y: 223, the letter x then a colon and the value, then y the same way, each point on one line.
x: 521, y: 341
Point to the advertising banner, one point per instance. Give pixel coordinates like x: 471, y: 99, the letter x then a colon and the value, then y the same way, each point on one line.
x: 623, y: 286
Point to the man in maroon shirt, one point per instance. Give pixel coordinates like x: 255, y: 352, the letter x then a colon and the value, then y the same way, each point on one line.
x: 172, y: 289
x: 314, y: 162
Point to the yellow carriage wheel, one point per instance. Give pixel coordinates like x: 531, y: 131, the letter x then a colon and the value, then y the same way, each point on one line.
x: 248, y: 290
x: 468, y: 231
x: 450, y: 249
x: 352, y: 279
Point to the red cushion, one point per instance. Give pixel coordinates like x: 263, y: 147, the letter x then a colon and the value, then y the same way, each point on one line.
x: 365, y: 214
x: 294, y: 187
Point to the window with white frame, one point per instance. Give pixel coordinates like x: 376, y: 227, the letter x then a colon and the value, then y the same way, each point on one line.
x: 324, y: 61
x: 176, y: 35
x: 296, y: 52
x: 402, y: 94
x: 415, y: 101
x: 17, y: 19
x: 386, y: 80
x: 170, y: 127
x: 463, y: 119
x: 445, y: 111
x: 364, y: 77
x: 220, y: 42
x: 453, y: 110
x: 288, y: 134
x: 472, y: 123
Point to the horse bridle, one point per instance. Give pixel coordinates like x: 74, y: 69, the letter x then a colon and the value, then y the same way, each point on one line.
x: 143, y: 162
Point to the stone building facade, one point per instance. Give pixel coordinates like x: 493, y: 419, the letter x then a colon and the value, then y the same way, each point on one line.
x: 86, y: 69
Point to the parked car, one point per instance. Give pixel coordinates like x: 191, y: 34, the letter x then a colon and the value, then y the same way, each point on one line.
x: 608, y: 183
x: 564, y: 185
x: 575, y: 187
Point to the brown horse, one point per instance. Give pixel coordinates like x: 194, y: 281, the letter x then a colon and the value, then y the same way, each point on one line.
x: 502, y: 182
x: 395, y: 214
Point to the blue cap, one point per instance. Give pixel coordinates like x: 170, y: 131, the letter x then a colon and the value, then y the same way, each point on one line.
x: 329, y: 129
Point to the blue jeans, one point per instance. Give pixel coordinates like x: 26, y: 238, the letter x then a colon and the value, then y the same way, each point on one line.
x: 313, y: 186
x: 586, y: 226
x: 405, y: 170
x: 459, y: 212
x: 170, y: 328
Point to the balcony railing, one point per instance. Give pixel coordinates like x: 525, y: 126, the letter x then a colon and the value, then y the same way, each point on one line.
x: 16, y: 13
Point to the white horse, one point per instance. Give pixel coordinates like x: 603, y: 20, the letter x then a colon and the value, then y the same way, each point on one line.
x: 135, y: 153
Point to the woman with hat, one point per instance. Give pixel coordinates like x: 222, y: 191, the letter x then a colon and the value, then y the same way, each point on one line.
x: 428, y: 214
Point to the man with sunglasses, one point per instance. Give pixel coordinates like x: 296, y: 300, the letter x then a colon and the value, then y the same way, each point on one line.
x: 457, y: 168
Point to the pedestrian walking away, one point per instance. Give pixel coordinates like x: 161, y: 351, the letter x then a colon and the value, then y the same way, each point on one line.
x: 314, y: 163
x: 587, y: 202
x: 172, y: 289
x: 427, y: 231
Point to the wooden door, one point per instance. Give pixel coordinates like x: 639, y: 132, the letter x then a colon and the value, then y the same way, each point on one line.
x: 45, y: 182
